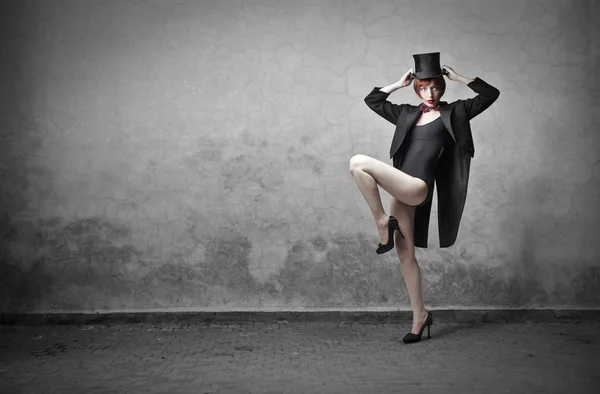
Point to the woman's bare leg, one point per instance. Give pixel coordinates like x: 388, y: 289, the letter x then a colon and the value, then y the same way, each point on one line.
x: 405, y: 248
x: 369, y: 172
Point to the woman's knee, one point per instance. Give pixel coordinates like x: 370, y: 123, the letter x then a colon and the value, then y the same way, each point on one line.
x: 357, y: 162
x: 422, y: 190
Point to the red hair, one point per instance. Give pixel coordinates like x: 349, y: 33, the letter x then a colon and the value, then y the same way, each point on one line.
x: 439, y: 81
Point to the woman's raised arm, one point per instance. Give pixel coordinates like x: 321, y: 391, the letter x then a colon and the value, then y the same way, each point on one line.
x: 487, y: 94
x: 377, y: 99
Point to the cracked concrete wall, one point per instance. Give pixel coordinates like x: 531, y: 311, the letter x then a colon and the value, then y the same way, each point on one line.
x: 190, y: 155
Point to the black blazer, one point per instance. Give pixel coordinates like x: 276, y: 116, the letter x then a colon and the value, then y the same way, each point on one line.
x: 452, y: 172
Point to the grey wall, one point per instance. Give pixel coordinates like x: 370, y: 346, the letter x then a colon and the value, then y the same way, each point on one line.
x: 189, y: 155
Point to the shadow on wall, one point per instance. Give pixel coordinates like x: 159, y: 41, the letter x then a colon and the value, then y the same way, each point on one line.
x: 16, y: 147
x: 548, y: 274
x: 90, y: 264
x: 532, y: 265
x: 550, y: 268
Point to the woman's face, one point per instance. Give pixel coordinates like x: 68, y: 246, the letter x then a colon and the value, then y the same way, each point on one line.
x: 430, y: 94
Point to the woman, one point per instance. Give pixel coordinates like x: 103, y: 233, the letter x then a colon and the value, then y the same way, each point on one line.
x: 432, y: 142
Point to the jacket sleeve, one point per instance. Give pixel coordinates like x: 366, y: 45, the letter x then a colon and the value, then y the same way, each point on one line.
x: 486, y: 97
x: 376, y: 100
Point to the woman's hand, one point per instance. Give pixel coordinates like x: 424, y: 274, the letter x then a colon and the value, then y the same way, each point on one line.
x: 453, y: 76
x: 406, y: 78
x: 450, y: 73
x: 403, y: 82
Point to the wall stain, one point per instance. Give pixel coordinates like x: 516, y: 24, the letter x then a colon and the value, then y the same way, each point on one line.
x: 91, y: 264
x: 64, y: 265
x: 223, y: 277
x: 585, y: 286
x: 342, y: 272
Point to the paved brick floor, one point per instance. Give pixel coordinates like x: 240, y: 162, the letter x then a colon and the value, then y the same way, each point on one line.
x: 301, y: 358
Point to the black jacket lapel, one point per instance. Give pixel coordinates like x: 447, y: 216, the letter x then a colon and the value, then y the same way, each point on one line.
x: 445, y: 113
x: 404, y: 124
x: 411, y: 119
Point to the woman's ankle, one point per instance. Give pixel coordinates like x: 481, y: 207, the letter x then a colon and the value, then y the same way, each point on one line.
x: 420, y: 312
x: 382, y: 220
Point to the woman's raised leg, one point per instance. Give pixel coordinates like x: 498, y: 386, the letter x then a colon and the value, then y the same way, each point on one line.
x: 369, y: 172
x: 405, y: 248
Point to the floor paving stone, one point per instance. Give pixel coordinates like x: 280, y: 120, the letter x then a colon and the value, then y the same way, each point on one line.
x: 310, y: 357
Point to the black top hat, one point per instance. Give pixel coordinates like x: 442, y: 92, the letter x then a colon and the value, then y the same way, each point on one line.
x: 427, y: 65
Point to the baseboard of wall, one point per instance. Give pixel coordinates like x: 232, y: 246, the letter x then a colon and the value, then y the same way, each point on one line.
x: 246, y: 317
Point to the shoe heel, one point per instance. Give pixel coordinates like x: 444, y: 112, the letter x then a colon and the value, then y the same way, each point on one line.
x: 397, y: 227
x: 399, y: 232
x: 392, y: 226
x: 428, y: 333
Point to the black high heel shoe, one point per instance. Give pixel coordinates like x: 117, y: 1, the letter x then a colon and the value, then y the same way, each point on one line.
x: 410, y: 337
x: 392, y: 226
